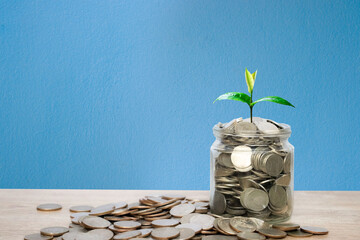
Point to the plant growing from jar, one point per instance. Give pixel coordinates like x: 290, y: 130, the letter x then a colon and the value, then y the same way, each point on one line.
x: 243, y: 97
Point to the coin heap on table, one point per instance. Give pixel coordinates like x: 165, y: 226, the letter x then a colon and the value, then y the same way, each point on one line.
x: 252, y: 161
x: 165, y: 217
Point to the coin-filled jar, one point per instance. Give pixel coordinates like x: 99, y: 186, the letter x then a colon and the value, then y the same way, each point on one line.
x: 251, y: 170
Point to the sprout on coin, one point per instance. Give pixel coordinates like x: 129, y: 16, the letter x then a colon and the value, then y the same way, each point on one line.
x: 243, y: 97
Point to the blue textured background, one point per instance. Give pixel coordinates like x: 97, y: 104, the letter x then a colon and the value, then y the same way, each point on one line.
x: 118, y: 94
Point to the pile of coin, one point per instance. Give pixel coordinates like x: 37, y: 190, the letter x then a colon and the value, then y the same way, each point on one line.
x: 252, y: 170
x: 163, y: 217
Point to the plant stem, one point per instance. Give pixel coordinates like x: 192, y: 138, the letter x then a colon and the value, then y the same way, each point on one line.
x: 251, y: 108
x: 251, y: 114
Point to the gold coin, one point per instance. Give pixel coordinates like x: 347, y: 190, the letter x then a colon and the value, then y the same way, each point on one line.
x: 165, y: 223
x: 49, y: 207
x: 298, y: 233
x: 196, y: 227
x: 81, y: 208
x: 54, y: 231
x: 165, y: 233
x: 272, y: 233
x: 92, y: 222
x: 250, y: 236
x: 286, y: 226
x: 315, y: 230
x: 224, y: 225
x: 127, y: 224
x: 37, y: 236
x: 182, y: 210
x: 186, y: 233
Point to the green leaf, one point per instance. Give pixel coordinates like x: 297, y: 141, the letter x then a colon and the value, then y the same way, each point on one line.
x: 243, y: 97
x: 249, y: 80
x: 254, y: 75
x: 274, y: 99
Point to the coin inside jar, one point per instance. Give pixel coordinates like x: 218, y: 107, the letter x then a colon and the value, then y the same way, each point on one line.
x: 241, y: 158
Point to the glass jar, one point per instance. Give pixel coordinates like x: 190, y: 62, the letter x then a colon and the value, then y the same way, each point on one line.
x: 251, y: 170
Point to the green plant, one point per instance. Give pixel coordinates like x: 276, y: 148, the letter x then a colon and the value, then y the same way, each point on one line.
x: 243, y: 97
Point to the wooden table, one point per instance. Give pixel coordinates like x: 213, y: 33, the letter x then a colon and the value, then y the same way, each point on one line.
x: 337, y: 211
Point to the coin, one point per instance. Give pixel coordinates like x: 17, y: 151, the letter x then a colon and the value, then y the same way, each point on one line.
x: 218, y: 203
x: 204, y: 220
x: 242, y: 224
x: 248, y: 196
x: 196, y: 227
x: 224, y: 225
x: 70, y: 236
x: 247, y: 127
x: 185, y: 234
x: 120, y: 205
x: 315, y: 230
x: 102, y: 234
x: 241, y: 158
x: 165, y: 223
x: 272, y: 164
x: 277, y: 196
x: 49, y: 207
x: 37, y: 236
x: 127, y: 224
x: 284, y: 180
x: 102, y: 210
x: 93, y: 222
x: 173, y: 196
x: 182, y: 210
x: 266, y: 127
x: 298, y: 233
x: 272, y: 233
x: 145, y: 232
x: 54, y: 231
x: 286, y: 226
x: 250, y: 236
x: 127, y: 235
x: 165, y: 233
x: 81, y: 208
x: 219, y: 237
x: 186, y: 218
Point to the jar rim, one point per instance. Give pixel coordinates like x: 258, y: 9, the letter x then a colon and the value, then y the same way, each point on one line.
x: 284, y: 131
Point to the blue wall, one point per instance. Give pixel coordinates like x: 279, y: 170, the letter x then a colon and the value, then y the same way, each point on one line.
x: 118, y: 94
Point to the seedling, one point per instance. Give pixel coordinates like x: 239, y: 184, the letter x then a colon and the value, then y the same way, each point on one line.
x: 243, y: 97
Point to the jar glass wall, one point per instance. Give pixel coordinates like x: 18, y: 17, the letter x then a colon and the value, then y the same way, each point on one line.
x: 251, y: 170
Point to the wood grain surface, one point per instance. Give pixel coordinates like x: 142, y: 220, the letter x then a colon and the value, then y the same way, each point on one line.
x: 337, y: 211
